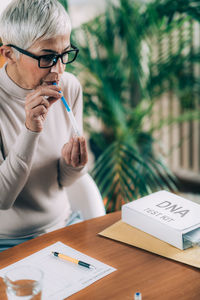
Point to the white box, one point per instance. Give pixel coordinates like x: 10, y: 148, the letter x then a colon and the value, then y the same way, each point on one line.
x: 163, y: 215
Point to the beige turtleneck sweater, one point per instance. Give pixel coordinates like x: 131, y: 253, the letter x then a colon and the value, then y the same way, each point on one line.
x: 32, y: 173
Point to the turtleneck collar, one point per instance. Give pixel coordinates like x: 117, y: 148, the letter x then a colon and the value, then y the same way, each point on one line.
x: 10, y: 86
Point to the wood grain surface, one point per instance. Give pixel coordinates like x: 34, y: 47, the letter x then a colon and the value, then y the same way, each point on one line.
x: 157, y: 278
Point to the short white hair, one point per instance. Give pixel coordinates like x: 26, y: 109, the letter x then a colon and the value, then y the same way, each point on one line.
x: 25, y: 21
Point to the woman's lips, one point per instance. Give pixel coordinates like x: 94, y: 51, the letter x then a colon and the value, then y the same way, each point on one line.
x: 50, y: 78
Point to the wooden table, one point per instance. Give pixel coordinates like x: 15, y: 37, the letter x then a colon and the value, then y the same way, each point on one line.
x: 157, y: 278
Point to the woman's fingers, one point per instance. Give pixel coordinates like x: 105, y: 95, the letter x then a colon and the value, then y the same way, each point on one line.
x: 41, y: 94
x: 37, y: 105
x: 66, y: 151
x: 83, y: 151
x: 38, y: 111
x: 46, y: 90
x: 75, y: 152
x: 41, y: 100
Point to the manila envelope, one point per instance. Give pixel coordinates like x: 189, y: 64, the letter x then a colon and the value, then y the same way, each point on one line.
x: 125, y: 233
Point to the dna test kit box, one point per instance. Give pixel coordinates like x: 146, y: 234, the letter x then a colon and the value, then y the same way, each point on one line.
x: 165, y: 215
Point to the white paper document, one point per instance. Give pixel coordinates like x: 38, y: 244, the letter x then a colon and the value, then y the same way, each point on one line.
x: 63, y: 278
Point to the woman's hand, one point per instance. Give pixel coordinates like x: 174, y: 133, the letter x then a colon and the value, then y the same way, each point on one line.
x: 37, y: 105
x: 75, y: 152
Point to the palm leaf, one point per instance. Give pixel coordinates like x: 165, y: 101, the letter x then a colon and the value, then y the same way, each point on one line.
x: 120, y: 89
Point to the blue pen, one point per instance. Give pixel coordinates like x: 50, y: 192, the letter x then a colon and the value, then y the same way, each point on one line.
x: 70, y: 114
x: 138, y: 296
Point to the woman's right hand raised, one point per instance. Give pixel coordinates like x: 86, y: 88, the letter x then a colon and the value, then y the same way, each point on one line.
x: 37, y: 105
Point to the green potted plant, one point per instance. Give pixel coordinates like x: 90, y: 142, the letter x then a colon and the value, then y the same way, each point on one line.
x: 121, y: 83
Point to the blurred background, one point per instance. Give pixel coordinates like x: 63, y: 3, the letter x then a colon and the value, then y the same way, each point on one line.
x: 139, y: 68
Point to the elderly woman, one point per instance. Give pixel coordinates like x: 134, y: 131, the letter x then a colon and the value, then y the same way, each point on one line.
x: 39, y: 153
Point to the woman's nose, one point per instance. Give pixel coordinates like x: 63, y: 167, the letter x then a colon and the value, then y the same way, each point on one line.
x: 58, y: 67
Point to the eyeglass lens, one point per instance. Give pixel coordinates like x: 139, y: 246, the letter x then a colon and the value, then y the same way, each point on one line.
x: 50, y: 60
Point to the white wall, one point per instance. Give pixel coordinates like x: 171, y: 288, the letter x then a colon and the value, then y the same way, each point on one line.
x: 81, y: 11
x: 3, y: 4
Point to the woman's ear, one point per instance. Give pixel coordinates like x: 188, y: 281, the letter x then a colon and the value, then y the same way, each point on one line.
x: 8, y: 54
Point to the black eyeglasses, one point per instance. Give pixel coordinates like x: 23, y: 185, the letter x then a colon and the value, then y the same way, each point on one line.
x: 50, y: 60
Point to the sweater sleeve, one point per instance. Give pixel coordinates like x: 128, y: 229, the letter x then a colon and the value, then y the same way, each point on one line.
x: 68, y: 174
x: 15, y: 168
